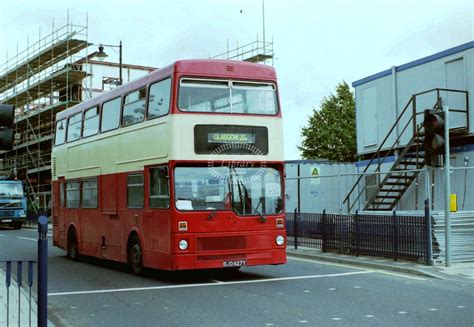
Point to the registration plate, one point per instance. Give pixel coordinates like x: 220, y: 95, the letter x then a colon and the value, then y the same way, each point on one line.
x: 234, y: 263
x: 6, y: 220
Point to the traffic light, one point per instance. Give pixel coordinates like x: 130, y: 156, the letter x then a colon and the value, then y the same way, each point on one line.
x: 434, y: 136
x: 7, y: 113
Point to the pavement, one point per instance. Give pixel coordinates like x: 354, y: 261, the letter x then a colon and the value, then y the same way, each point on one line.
x: 463, y: 272
x: 15, y: 307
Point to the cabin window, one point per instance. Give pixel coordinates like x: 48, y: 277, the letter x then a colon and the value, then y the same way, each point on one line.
x: 89, y: 193
x: 134, y: 107
x: 72, y: 195
x: 110, y: 115
x: 135, y: 190
x: 91, y: 122
x: 60, y: 135
x: 74, y: 127
x: 159, y: 188
x: 159, y: 98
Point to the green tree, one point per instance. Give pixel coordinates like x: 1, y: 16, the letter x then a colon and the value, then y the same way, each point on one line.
x: 330, y: 133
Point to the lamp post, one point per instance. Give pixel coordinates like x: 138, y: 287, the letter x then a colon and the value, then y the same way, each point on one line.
x: 101, y: 55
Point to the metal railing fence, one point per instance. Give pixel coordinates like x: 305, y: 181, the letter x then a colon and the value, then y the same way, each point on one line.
x: 389, y: 235
x: 13, y: 308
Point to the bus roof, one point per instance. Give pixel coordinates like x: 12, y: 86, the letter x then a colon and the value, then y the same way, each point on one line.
x: 195, y: 67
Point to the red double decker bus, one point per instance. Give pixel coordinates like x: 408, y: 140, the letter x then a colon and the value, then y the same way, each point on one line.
x: 180, y: 169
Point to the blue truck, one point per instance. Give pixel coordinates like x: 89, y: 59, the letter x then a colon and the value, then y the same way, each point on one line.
x: 12, y: 203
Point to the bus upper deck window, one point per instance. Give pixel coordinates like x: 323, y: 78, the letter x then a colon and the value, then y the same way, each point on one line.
x: 159, y: 98
x: 134, y: 107
x: 60, y: 135
x: 110, y: 115
x: 74, y: 127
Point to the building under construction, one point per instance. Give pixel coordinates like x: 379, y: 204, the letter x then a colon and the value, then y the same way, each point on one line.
x: 50, y: 75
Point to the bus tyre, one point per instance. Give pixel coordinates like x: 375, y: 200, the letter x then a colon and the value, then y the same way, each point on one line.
x: 72, y: 250
x: 16, y: 225
x: 135, y: 257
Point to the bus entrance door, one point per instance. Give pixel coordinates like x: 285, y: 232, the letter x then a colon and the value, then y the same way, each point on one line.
x: 110, y: 223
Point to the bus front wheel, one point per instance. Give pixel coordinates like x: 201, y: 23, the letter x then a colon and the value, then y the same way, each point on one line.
x: 135, y: 257
x: 16, y: 224
x: 72, y: 250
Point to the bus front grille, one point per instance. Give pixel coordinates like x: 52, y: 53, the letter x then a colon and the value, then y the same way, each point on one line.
x: 233, y: 242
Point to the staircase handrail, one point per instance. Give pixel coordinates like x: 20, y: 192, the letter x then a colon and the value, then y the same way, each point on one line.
x: 379, y: 164
x: 378, y: 150
x: 412, y: 119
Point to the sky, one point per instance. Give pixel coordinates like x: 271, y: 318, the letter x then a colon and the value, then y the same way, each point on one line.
x: 317, y: 44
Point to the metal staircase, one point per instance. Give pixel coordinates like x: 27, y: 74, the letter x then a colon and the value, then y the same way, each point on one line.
x: 401, y: 175
x: 391, y: 184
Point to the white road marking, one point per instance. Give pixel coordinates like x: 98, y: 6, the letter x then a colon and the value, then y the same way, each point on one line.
x: 369, y: 316
x: 327, y: 263
x: 216, y: 281
x: 332, y: 289
x: 356, y: 286
x: 257, y: 281
x: 269, y: 325
x: 400, y: 275
x: 461, y: 306
x: 49, y: 235
x: 307, y: 291
x: 302, y: 321
x: 73, y: 307
x: 336, y: 318
x: 2, y: 235
x: 27, y: 238
x: 402, y: 312
x: 433, y: 309
x: 358, y: 268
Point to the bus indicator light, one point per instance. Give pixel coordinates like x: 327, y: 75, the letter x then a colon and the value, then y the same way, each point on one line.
x: 183, y: 226
x: 279, y: 223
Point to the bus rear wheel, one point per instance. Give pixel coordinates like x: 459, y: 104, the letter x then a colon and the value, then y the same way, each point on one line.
x: 135, y: 257
x: 72, y: 250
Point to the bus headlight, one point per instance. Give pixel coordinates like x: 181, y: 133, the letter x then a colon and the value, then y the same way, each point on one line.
x: 21, y: 214
x: 280, y: 240
x: 183, y: 245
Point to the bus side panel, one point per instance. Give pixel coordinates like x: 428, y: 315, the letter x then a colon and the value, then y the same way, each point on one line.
x: 55, y: 213
x: 108, y: 194
x: 156, y: 226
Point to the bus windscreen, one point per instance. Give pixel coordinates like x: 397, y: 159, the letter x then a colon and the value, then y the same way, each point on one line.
x: 232, y: 97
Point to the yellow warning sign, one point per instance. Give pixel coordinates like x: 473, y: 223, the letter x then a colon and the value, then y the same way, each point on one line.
x: 453, y: 203
x: 315, y: 174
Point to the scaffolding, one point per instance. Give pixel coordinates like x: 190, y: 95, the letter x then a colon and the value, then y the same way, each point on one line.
x: 257, y: 52
x: 47, y: 77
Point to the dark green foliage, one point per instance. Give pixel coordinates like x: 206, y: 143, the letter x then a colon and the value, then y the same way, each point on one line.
x: 330, y: 133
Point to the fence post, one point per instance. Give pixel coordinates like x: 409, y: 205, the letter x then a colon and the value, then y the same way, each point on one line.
x: 295, y: 229
x: 429, y: 244
x: 323, y: 231
x: 395, y: 234
x: 7, y: 283
x: 42, y: 271
x: 356, y: 222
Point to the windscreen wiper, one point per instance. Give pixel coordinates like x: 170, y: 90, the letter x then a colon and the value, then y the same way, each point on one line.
x: 212, y: 214
x: 255, y: 209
